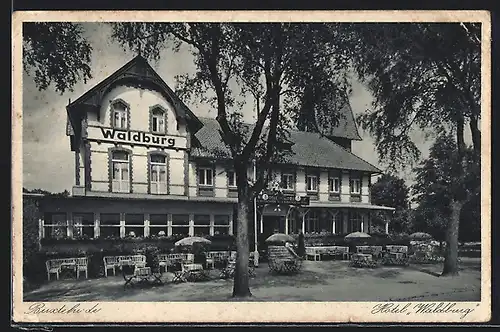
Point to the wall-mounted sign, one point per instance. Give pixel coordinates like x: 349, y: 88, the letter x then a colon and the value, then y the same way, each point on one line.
x: 132, y: 137
x: 270, y: 198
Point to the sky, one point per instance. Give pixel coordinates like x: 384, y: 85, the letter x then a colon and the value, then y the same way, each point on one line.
x: 48, y: 162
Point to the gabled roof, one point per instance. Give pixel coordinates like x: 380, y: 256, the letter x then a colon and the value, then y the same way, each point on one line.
x: 136, y: 71
x: 308, y: 149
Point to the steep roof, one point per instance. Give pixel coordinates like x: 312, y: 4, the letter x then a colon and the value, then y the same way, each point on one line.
x: 136, y: 71
x: 308, y: 149
x: 346, y: 126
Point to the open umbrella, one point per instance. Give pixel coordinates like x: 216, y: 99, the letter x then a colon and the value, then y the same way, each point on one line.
x: 357, y: 235
x: 280, y: 238
x: 188, y: 241
x: 420, y: 236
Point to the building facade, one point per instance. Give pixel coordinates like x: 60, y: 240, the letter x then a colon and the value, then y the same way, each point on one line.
x: 146, y: 165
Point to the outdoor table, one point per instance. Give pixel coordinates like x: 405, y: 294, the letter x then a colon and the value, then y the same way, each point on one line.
x: 189, y: 272
x: 142, y: 275
x: 362, y: 260
x: 67, y: 269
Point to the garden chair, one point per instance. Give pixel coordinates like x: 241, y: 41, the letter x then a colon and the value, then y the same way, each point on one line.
x: 313, y: 252
x: 363, y: 260
x: 110, y: 262
x: 282, y: 260
x: 163, y: 262
x: 82, y: 264
x: 53, y: 266
x: 396, y: 255
x: 341, y: 251
x: 228, y: 271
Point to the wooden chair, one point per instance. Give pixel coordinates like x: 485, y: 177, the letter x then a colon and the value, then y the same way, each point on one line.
x: 281, y: 260
x: 341, y: 251
x: 312, y: 252
x: 163, y: 261
x: 82, y: 264
x: 53, y: 266
x: 110, y: 262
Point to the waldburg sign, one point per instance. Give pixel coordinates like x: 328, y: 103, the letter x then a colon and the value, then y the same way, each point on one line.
x: 132, y: 137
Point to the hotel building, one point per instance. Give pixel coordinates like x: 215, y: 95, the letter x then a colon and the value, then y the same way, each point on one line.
x: 144, y: 164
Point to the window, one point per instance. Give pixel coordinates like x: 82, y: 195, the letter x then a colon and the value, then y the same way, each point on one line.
x: 312, y: 222
x: 121, y: 171
x: 355, y: 222
x: 158, y: 175
x: 119, y: 119
x: 110, y: 225
x: 312, y: 183
x: 158, y: 121
x: 231, y: 179
x: 221, y: 225
x: 157, y: 224
x: 287, y: 181
x: 180, y: 224
x: 334, y: 185
x: 55, y: 225
x: 355, y: 185
x: 83, y: 225
x: 134, y: 225
x: 205, y: 176
x: 201, y: 225
x: 339, y: 223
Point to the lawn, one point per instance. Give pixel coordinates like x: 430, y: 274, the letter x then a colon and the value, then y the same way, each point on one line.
x: 317, y: 281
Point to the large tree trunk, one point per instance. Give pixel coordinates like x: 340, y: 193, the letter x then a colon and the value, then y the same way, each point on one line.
x: 476, y: 135
x: 450, y: 267
x: 241, y: 287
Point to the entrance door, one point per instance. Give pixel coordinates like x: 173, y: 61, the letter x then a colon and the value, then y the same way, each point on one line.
x: 272, y: 225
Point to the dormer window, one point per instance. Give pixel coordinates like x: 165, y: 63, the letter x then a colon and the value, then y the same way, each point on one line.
x: 158, y: 120
x: 120, y: 112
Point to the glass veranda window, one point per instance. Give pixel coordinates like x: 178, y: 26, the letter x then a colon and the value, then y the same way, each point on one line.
x: 121, y: 175
x: 158, y: 174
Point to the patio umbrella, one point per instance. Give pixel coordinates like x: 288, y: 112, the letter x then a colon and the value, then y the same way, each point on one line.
x: 420, y: 236
x: 357, y: 235
x: 190, y: 240
x: 280, y: 238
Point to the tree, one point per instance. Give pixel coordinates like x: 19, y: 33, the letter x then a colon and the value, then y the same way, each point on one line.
x: 436, y: 182
x: 422, y: 76
x: 272, y: 63
x: 56, y: 53
x: 389, y: 190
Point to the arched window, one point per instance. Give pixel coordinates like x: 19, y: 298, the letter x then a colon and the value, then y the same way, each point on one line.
x: 158, y: 120
x: 120, y: 163
x: 119, y: 115
x: 158, y: 174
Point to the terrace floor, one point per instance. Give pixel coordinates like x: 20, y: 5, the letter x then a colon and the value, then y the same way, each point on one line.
x: 317, y: 281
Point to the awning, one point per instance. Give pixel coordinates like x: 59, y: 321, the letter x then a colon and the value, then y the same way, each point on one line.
x: 339, y: 205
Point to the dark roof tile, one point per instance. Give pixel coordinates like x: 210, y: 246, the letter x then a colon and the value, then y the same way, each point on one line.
x: 308, y: 149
